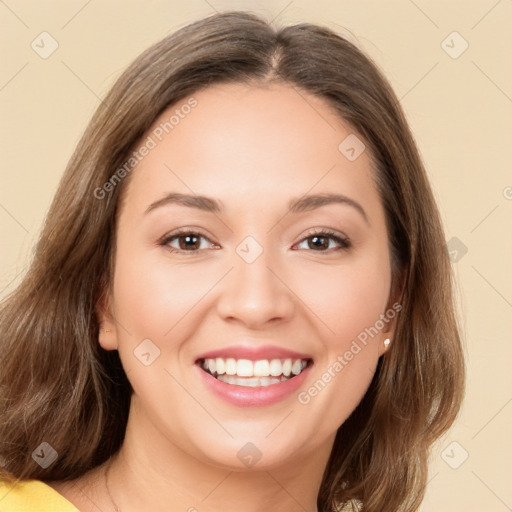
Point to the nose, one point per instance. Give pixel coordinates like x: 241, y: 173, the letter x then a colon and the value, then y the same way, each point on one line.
x: 256, y: 293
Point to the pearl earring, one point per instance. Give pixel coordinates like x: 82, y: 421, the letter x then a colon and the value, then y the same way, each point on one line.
x: 387, y: 341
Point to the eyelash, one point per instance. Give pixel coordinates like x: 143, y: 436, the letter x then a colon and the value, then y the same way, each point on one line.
x: 344, y: 243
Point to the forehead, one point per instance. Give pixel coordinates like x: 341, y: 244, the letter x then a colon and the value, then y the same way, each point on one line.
x: 250, y: 145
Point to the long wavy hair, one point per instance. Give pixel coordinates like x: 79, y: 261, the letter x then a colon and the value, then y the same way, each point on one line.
x: 58, y: 385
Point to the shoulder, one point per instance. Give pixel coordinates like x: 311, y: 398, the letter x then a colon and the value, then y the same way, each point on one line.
x: 32, y: 496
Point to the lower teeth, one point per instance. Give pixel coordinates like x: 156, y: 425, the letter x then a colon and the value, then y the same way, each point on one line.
x: 251, y: 382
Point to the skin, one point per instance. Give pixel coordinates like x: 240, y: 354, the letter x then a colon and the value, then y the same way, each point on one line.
x: 254, y: 149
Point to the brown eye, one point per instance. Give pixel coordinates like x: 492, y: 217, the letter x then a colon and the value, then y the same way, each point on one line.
x: 323, y: 241
x: 187, y: 241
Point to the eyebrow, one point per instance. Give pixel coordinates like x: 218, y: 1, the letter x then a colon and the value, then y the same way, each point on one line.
x: 302, y: 204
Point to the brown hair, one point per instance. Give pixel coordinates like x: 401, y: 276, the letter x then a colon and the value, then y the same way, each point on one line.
x: 58, y: 385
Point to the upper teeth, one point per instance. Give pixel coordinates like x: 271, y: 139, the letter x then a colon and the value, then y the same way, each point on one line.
x: 260, y: 368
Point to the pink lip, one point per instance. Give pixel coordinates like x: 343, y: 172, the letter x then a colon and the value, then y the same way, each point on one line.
x: 242, y: 396
x: 253, y: 353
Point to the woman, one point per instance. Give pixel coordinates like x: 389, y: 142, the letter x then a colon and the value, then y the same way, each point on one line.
x: 241, y: 295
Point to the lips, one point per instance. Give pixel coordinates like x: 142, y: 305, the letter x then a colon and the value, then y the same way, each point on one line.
x: 253, y: 376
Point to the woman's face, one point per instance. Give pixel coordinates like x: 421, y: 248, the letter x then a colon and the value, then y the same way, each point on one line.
x: 251, y: 278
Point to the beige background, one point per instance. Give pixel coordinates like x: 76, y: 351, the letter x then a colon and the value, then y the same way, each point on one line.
x: 459, y: 110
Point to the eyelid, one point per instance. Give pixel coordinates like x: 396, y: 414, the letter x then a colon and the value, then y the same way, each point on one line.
x: 324, y: 231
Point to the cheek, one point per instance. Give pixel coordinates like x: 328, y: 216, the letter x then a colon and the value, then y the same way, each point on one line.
x: 346, y: 298
x: 151, y: 295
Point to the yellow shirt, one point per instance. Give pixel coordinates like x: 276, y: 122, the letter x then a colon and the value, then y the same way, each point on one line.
x: 32, y: 496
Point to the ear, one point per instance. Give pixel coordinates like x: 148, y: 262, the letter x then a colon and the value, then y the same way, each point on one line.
x: 393, y: 308
x: 108, y: 333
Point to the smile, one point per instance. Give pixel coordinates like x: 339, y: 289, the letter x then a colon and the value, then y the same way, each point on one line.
x: 260, y: 373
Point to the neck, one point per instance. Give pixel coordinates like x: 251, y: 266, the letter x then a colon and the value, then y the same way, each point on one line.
x: 150, y: 472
